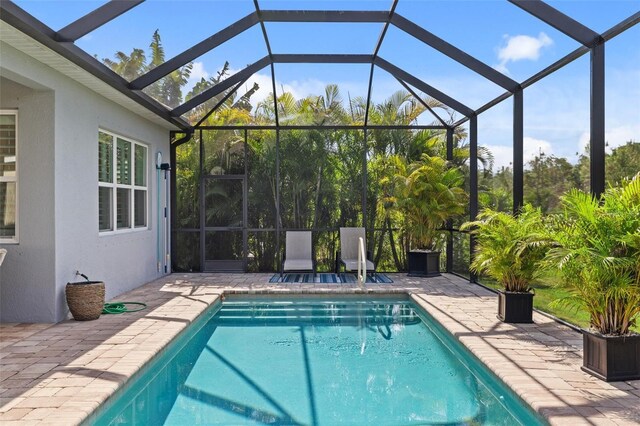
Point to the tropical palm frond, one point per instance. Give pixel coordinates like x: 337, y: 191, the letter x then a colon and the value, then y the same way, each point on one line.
x: 509, y: 248
x: 597, y: 251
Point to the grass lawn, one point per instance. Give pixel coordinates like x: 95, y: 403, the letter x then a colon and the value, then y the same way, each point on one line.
x: 547, y: 293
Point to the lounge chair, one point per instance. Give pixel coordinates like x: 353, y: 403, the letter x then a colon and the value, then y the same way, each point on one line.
x: 3, y: 253
x: 348, y: 254
x: 298, y: 253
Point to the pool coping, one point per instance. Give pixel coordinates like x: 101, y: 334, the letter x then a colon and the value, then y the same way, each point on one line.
x: 61, y: 373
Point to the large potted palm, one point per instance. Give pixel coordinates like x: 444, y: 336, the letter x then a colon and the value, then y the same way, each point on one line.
x: 428, y: 194
x: 597, y: 253
x: 509, y: 249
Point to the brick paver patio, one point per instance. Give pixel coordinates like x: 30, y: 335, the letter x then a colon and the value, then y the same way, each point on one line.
x: 59, y: 374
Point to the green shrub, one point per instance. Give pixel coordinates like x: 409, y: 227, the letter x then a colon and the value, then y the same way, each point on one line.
x: 428, y: 192
x: 509, y: 249
x: 597, y: 252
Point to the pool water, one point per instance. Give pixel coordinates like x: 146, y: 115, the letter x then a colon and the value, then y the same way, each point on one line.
x: 316, y: 362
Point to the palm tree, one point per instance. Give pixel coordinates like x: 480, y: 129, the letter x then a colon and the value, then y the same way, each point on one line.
x: 597, y: 252
x: 130, y: 66
x: 199, y: 112
x: 167, y: 90
x: 429, y: 194
x: 328, y: 109
x: 510, y: 248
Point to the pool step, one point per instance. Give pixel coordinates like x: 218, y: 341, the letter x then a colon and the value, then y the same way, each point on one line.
x: 249, y: 314
x: 325, y: 308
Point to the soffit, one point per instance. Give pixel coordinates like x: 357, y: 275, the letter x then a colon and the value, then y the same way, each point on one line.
x: 43, y: 54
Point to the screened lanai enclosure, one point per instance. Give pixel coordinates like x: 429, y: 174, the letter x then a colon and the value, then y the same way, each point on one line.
x: 239, y: 190
x: 246, y: 170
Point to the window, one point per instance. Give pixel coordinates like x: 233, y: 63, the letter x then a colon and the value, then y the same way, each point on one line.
x: 122, y: 183
x: 8, y: 176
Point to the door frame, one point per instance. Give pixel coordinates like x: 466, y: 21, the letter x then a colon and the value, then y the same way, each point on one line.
x: 213, y: 265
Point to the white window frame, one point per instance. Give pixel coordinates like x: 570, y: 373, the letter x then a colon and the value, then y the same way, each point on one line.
x: 131, y: 187
x: 15, y: 239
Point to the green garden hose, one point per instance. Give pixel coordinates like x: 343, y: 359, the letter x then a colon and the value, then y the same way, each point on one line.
x: 120, y: 307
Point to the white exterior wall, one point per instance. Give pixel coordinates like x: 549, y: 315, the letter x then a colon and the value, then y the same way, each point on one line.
x: 27, y: 285
x: 122, y: 261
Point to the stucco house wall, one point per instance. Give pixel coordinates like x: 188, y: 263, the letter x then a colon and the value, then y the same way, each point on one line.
x: 59, y: 120
x: 27, y: 288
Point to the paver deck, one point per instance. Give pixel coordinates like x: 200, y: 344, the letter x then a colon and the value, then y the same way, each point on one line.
x: 59, y: 374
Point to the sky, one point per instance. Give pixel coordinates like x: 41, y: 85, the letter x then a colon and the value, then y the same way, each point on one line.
x: 493, y: 31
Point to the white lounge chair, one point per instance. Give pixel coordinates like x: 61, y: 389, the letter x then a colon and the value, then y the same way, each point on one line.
x: 298, y: 253
x: 348, y: 254
x: 3, y: 253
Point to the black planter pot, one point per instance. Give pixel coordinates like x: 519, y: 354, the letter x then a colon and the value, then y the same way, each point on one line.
x: 424, y: 263
x: 515, y: 308
x: 611, y: 358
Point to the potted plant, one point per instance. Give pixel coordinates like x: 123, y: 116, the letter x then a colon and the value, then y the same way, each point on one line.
x: 597, y: 253
x: 509, y: 250
x: 428, y: 193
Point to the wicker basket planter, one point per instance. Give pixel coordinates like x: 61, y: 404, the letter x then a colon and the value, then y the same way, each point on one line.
x: 85, y: 299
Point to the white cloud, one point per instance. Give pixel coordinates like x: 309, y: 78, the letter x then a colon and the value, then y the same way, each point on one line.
x: 266, y: 87
x: 521, y: 47
x: 298, y: 88
x: 614, y: 137
x: 533, y: 147
x: 197, y: 73
x: 501, y: 67
x: 621, y: 135
x: 503, y: 154
x: 264, y: 81
x: 583, y: 141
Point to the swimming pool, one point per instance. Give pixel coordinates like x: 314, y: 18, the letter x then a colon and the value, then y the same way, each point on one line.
x: 313, y: 361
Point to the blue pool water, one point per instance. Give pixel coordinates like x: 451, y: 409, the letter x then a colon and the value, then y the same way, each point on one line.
x: 316, y: 362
